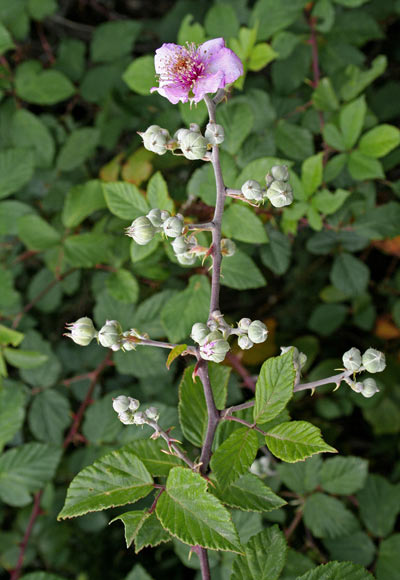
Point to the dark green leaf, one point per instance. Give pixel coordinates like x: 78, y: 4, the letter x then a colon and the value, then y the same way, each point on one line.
x: 274, y: 387
x: 264, y: 559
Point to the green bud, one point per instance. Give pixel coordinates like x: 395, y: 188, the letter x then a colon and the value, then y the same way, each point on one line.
x: 82, y: 331
x: 280, y: 194
x: 214, y: 347
x: 374, y: 361
x: 228, y: 247
x: 141, y: 230
x: 244, y: 342
x: 194, y: 127
x: 126, y: 417
x: 302, y: 359
x: 156, y: 139
x: 180, y: 245
x: 139, y: 418
x: 199, y: 332
x: 152, y: 413
x: 214, y: 133
x: 110, y: 333
x: 369, y: 388
x: 257, y: 331
x: 121, y: 404
x: 193, y: 145
x: 280, y: 172
x: 173, y: 226
x: 244, y: 324
x: 252, y: 190
x: 164, y: 215
x: 154, y: 216
x: 352, y: 359
x: 186, y: 259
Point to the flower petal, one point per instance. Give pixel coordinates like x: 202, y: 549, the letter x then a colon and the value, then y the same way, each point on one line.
x: 166, y: 54
x: 209, y: 83
x: 228, y: 62
x: 210, y: 48
x: 173, y: 93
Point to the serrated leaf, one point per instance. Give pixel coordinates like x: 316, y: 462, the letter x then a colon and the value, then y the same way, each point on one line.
x: 42, y: 87
x: 357, y: 547
x: 140, y: 75
x: 295, y: 440
x: 237, y: 118
x: 113, y: 40
x: 363, y: 167
x: 302, y: 477
x: 81, y: 201
x: 24, y: 359
x: 49, y: 416
x: 337, y: 571
x: 16, y: 169
x: 379, y: 141
x: 277, y: 253
x: 349, y: 274
x: 274, y: 387
x: 115, y: 479
x: 327, y: 202
x: 30, y: 132
x: 240, y: 222
x: 132, y: 521
x: 240, y: 272
x: 351, y: 120
x: 249, y: 493
x: 125, y: 200
x: 379, y: 503
x: 193, y: 515
x: 175, y: 352
x: 78, y: 147
x: 123, y: 286
x: 88, y: 249
x: 234, y: 456
x: 150, y: 533
x: 334, y: 137
x: 193, y: 414
x: 150, y: 452
x: 6, y: 42
x: 343, y: 475
x: 12, y: 411
x: 36, y: 233
x: 324, y: 96
x: 327, y: 517
x: 157, y: 193
x: 24, y: 470
x: 388, y: 564
x: 264, y: 559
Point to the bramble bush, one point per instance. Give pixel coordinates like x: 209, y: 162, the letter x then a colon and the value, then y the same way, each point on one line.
x: 216, y: 223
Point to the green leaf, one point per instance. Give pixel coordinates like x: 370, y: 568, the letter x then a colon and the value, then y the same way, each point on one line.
x: 113, y: 40
x: 175, y: 353
x: 49, y: 416
x: 363, y: 167
x: 28, y: 131
x: 197, y: 114
x: 337, y: 571
x: 138, y: 253
x: 221, y: 20
x: 10, y: 336
x: 101, y: 424
x: 125, y: 200
x: 81, y: 201
x: 40, y: 9
x: 47, y: 374
x: 311, y: 173
x: 87, y: 250
x: 327, y: 202
x: 343, y: 475
x: 379, y: 141
x: 302, y: 477
x: 151, y: 533
x: 140, y: 75
x: 16, y: 169
x: 237, y: 119
x: 189, y: 32
x: 12, y: 411
x: 379, y: 503
x: 41, y: 576
x: 333, y: 137
x: 249, y: 493
x: 185, y: 308
x: 277, y: 253
x: 234, y: 456
x: 327, y: 517
x: 115, y: 479
x: 157, y: 193
x: 193, y: 515
x: 240, y: 272
x: 334, y: 167
x: 193, y: 414
x: 379, y: 222
x: 261, y: 55
x: 358, y: 80
x: 349, y: 274
x: 6, y: 42
x: 271, y: 16
x: 150, y: 452
x: 274, y: 387
x: 240, y: 222
x: 36, y: 233
x: 24, y: 470
x: 295, y: 440
x: 351, y: 3
x: 42, y: 87
x: 132, y: 521
x: 264, y: 556
x: 123, y: 286
x: 357, y: 547
x: 147, y: 314
x: 326, y: 318
x: 294, y: 141
x: 324, y: 96
x: 10, y: 212
x: 351, y: 121
x: 78, y: 147
x: 138, y: 573
x: 388, y: 564
x: 24, y: 359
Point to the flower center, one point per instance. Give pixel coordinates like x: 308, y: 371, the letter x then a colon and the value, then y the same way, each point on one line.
x: 183, y: 68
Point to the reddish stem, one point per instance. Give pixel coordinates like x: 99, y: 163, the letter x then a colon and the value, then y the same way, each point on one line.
x: 15, y: 574
x: 45, y: 43
x: 295, y: 522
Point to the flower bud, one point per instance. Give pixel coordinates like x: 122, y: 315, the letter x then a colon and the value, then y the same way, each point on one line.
x: 154, y: 216
x: 280, y: 172
x: 180, y: 245
x: 352, y: 359
x: 357, y: 387
x: 280, y: 194
x: 139, y: 418
x: 302, y: 359
x: 173, y: 226
x: 228, y: 247
x: 257, y: 331
x: 180, y: 133
x: 82, y: 331
x: 214, y: 133
x: 155, y: 139
x: 262, y: 466
x: 122, y: 404
x: 110, y: 333
x: 212, y: 325
x: 373, y: 361
x: 126, y: 417
x: 244, y: 342
x: 186, y: 259
x: 199, y: 332
x: 214, y: 347
x: 127, y: 344
x: 244, y: 324
x: 152, y: 413
x: 164, y: 215
x: 252, y: 190
x: 194, y: 127
x: 369, y: 388
x: 193, y: 145
x: 141, y: 230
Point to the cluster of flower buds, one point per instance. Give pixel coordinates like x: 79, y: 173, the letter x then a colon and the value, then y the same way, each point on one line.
x: 157, y: 139
x: 278, y: 190
x: 213, y: 345
x: 110, y: 334
x: 82, y: 331
x: 299, y: 359
x: 128, y: 414
x: 143, y: 229
x: 372, y: 361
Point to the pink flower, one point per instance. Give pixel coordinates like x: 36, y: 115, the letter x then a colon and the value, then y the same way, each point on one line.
x: 189, y: 72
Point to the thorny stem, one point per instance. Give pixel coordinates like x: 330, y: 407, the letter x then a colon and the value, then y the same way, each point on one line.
x: 204, y: 565
x: 243, y: 422
x: 171, y: 443
x: 15, y: 574
x: 154, y: 504
x: 213, y: 416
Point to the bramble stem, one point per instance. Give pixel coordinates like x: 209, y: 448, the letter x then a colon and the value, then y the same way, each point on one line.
x: 243, y: 422
x: 34, y: 514
x: 171, y: 443
x: 213, y: 416
x: 333, y: 379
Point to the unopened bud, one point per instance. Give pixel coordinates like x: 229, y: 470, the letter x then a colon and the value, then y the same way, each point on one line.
x: 194, y: 127
x: 373, y: 360
x: 193, y: 145
x: 164, y: 215
x: 280, y: 172
x: 252, y: 190
x: 214, y: 347
x: 82, y: 331
x: 199, y: 332
x: 152, y: 413
x: 110, y: 333
x: 244, y: 342
x: 244, y: 324
x: 154, y: 216
x: 139, y: 418
x: 180, y: 133
x: 214, y: 133
x: 126, y: 417
x: 280, y: 194
x: 352, y: 359
x: 228, y: 247
x: 156, y: 139
x: 186, y: 259
x: 257, y: 331
x: 369, y: 388
x: 123, y: 403
x: 141, y: 230
x: 180, y: 245
x: 173, y: 226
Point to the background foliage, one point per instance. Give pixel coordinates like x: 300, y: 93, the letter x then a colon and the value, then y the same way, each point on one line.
x: 322, y: 94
